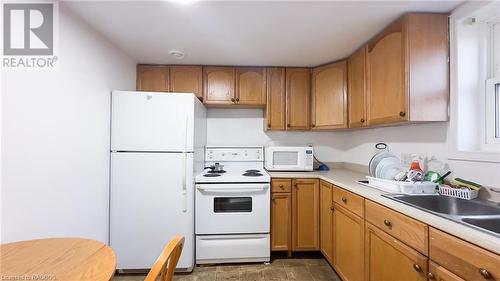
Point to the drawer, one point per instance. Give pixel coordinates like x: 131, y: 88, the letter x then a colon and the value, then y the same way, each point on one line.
x: 408, y: 230
x: 281, y: 185
x: 349, y: 201
x: 463, y: 258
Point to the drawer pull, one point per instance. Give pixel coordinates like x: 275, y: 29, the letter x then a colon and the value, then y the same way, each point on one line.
x: 233, y: 100
x: 485, y: 273
x: 388, y: 223
x: 282, y: 187
x: 344, y: 199
x: 332, y: 208
x: 430, y: 276
x: 417, y: 267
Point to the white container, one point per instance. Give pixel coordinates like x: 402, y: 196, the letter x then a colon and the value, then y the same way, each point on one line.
x: 403, y: 186
x: 458, y: 193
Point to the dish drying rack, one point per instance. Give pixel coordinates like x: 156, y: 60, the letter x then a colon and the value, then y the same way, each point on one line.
x: 464, y: 193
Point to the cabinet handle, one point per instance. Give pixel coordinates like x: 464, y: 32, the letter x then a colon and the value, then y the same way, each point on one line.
x: 388, y: 223
x: 237, y: 99
x: 313, y: 125
x: 232, y: 99
x: 288, y: 125
x: 485, y: 273
x: 281, y: 186
x: 269, y: 125
x: 344, y: 199
x: 362, y: 120
x: 402, y: 114
x: 332, y: 208
x: 295, y: 185
x: 430, y: 276
x: 417, y: 267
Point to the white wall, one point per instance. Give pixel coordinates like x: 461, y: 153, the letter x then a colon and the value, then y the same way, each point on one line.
x: 246, y: 127
x: 55, y: 138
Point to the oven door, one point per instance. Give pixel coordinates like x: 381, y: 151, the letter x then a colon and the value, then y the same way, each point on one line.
x: 232, y: 208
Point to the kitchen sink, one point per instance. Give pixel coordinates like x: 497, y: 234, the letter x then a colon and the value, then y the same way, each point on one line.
x: 482, y: 215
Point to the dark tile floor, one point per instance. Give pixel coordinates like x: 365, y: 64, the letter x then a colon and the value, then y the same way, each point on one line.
x: 299, y: 268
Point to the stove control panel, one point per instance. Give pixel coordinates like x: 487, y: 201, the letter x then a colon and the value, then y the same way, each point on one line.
x: 228, y: 154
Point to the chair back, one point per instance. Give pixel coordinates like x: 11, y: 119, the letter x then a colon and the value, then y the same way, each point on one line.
x: 165, y: 264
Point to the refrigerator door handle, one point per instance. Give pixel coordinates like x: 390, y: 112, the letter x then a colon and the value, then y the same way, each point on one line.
x: 184, y: 168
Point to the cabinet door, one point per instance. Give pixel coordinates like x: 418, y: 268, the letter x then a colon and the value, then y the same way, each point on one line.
x: 326, y: 220
x: 439, y: 273
x: 357, y: 89
x: 281, y: 222
x: 186, y: 79
x: 298, y: 92
x: 387, y: 94
x: 349, y: 244
x: 386, y: 258
x: 219, y: 85
x: 329, y: 96
x: 251, y: 86
x: 152, y: 78
x: 276, y: 101
x: 305, y: 215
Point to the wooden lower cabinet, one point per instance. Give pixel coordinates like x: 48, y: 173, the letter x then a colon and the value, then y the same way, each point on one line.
x: 349, y: 244
x: 439, y: 273
x: 387, y: 258
x: 326, y: 220
x: 305, y: 215
x: 281, y: 221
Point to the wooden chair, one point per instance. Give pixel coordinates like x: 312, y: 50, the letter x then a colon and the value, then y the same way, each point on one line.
x: 167, y: 261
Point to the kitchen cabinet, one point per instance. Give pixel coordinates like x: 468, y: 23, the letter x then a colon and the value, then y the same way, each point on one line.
x: 439, y: 273
x: 329, y: 96
x: 305, y: 215
x: 407, y: 71
x: 251, y: 86
x: 275, y: 113
x: 387, y: 258
x: 462, y: 258
x: 153, y: 78
x: 326, y: 220
x: 349, y: 243
x: 186, y: 79
x: 219, y: 85
x: 298, y: 98
x: 357, y: 88
x: 281, y: 222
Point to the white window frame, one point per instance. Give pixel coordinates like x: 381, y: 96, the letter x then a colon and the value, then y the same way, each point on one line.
x: 491, y: 103
x: 489, y: 150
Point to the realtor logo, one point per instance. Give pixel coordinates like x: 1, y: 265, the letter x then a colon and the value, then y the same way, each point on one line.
x: 28, y: 29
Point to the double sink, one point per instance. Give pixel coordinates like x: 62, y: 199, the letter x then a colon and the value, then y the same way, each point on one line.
x: 482, y: 215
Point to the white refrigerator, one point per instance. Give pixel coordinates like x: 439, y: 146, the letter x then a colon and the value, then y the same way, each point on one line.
x: 157, y: 142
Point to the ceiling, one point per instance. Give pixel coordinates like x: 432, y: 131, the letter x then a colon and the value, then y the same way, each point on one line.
x: 284, y: 33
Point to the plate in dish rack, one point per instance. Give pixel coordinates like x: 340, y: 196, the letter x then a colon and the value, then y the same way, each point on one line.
x: 388, y: 168
x: 372, y: 166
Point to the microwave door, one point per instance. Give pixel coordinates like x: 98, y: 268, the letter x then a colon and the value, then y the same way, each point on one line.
x: 287, y: 160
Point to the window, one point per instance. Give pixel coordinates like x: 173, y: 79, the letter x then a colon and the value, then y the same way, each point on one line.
x: 475, y: 82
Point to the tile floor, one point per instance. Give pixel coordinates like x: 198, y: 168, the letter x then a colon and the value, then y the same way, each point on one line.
x: 299, y: 268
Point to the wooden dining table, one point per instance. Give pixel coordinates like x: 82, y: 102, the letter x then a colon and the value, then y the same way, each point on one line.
x: 61, y: 259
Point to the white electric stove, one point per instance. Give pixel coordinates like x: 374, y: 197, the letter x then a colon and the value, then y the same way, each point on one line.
x: 233, y: 206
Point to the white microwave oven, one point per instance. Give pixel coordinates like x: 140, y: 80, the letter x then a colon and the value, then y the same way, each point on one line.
x: 289, y: 158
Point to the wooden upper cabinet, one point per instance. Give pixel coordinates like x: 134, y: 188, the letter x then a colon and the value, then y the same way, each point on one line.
x: 186, y: 79
x: 389, y: 259
x: 275, y: 117
x: 408, y: 71
x: 326, y: 220
x: 298, y: 95
x: 329, y: 96
x: 357, y: 88
x: 152, y: 78
x: 251, y: 86
x: 305, y: 215
x: 219, y: 85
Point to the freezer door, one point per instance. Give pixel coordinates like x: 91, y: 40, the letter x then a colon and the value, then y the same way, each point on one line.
x: 143, y: 121
x: 151, y: 201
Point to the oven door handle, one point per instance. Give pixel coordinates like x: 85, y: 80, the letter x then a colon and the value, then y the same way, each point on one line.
x: 232, y: 190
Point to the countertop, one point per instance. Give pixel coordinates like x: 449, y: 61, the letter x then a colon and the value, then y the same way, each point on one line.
x: 347, y: 178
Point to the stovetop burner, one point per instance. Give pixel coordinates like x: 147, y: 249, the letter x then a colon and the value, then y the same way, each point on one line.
x: 211, y: 175
x: 216, y: 172
x: 252, y: 171
x: 252, y: 174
